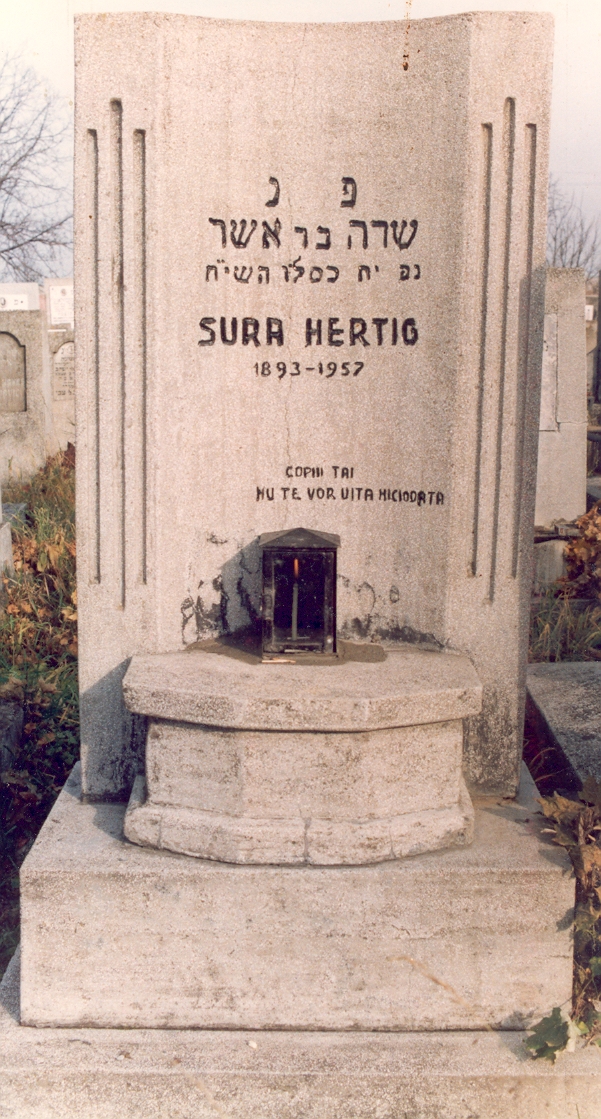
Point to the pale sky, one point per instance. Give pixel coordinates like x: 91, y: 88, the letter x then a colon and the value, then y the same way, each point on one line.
x: 42, y: 30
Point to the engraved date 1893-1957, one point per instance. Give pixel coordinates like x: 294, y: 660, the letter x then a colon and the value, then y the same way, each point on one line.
x: 325, y: 369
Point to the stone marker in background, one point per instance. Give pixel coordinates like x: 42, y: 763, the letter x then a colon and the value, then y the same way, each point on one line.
x: 310, y: 293
x: 564, y: 709
x: 561, y: 476
x: 25, y: 405
x: 61, y: 343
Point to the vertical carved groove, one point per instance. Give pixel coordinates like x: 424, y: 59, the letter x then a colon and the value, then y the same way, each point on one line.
x: 524, y: 365
x: 117, y: 166
x: 140, y: 243
x: 95, y: 520
x: 485, y: 209
x: 509, y: 158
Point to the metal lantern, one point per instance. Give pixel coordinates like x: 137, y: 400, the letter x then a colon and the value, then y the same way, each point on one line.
x: 299, y: 591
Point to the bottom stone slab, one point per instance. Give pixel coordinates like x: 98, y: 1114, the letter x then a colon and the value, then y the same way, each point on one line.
x: 234, y: 1074
x: 116, y: 935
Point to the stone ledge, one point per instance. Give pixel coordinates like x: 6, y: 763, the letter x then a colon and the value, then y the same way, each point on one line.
x: 565, y: 699
x: 317, y: 842
x: 410, y: 687
x: 119, y: 935
x: 155, y: 1074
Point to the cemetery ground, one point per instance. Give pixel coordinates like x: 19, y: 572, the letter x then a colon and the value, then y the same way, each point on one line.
x: 38, y: 669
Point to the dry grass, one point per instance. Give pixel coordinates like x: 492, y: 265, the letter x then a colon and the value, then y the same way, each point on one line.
x: 562, y: 629
x: 38, y: 665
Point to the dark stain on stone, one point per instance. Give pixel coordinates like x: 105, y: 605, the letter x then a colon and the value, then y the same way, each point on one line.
x: 206, y: 620
x: 247, y: 602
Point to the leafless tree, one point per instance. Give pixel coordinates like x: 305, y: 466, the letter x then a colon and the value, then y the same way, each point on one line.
x: 573, y: 240
x: 35, y: 170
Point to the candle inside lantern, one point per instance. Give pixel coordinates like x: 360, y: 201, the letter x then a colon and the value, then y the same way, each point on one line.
x: 294, y: 627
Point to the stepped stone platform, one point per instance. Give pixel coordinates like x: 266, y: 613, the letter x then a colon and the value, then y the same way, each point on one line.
x: 119, y: 935
x: 246, y: 1074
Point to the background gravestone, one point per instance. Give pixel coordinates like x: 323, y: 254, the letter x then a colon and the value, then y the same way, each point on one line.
x: 562, y: 452
x: 329, y: 317
x: 61, y: 344
x: 561, y: 477
x: 25, y: 406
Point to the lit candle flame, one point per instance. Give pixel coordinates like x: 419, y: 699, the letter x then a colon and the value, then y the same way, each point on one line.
x: 295, y: 568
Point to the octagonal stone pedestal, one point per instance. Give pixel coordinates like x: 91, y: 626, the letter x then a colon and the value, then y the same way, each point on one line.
x: 345, y: 763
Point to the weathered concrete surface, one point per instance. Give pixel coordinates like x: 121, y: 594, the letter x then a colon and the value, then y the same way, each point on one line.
x: 177, y: 1074
x: 184, y: 440
x: 117, y: 935
x: 409, y: 687
x: 567, y: 699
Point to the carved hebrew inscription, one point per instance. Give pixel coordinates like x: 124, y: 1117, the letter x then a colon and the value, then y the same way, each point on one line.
x: 339, y: 235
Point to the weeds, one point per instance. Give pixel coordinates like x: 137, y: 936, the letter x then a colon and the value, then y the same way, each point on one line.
x: 576, y: 825
x: 563, y: 630
x: 38, y: 666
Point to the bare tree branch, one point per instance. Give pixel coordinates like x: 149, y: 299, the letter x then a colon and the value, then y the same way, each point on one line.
x: 572, y: 240
x: 35, y: 177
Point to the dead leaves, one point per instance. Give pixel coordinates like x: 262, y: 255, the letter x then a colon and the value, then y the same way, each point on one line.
x: 576, y: 826
x: 583, y: 557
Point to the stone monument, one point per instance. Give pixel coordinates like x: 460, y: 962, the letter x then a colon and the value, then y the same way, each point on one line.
x: 25, y: 405
x: 309, y: 297
x: 561, y: 475
x: 61, y: 344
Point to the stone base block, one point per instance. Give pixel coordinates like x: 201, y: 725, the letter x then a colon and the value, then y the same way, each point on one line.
x: 234, y: 1074
x: 119, y: 935
x: 357, y: 762
x: 296, y: 841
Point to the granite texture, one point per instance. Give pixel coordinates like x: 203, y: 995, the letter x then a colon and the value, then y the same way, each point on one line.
x: 154, y: 1074
x: 561, y: 477
x: 567, y: 699
x: 119, y: 935
x: 295, y: 840
x: 151, y: 1074
x: 408, y: 688
x: 218, y: 161
x: 355, y: 762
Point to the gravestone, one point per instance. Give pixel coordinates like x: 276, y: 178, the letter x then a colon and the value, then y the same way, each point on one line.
x: 310, y: 332
x: 25, y: 406
x: 561, y: 475
x: 61, y: 344
x: 291, y: 313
